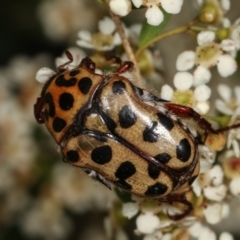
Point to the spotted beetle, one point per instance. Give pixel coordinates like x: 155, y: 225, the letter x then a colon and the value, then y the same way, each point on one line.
x: 121, y: 135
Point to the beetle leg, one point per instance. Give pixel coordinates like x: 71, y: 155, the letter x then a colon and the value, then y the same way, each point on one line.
x: 124, y: 67
x: 187, y: 112
x: 224, y: 129
x: 180, y: 198
x: 38, y: 110
x: 70, y: 58
x: 185, y: 213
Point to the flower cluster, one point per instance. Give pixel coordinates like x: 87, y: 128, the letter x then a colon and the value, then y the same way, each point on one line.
x: 154, y: 14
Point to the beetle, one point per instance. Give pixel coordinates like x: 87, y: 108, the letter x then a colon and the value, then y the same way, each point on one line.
x: 122, y: 135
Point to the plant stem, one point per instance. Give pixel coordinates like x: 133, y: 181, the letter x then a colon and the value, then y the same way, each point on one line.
x: 127, y: 48
x: 175, y: 31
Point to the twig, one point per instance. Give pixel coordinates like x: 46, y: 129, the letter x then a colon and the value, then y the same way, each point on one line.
x: 127, y: 48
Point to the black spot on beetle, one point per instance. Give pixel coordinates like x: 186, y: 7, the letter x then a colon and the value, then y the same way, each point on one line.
x: 183, y: 150
x: 156, y: 189
x: 62, y: 82
x: 72, y: 156
x: 58, y: 124
x: 118, y: 87
x: 49, y: 100
x: 163, y: 158
x: 153, y: 171
x: 102, y: 155
x: 73, y: 73
x: 84, y: 85
x: 165, y: 121
x: 123, y: 185
x: 125, y: 170
x: 150, y: 133
x: 127, y: 117
x: 66, y: 101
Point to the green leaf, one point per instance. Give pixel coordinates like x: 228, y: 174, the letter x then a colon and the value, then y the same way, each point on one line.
x: 149, y: 32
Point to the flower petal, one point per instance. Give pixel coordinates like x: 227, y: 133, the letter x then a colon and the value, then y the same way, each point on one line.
x: 85, y: 35
x: 183, y: 80
x: 224, y: 91
x: 225, y: 4
x: 172, y: 6
x: 216, y: 175
x: 234, y: 186
x: 202, y: 93
x: 205, y: 37
x: 228, y: 45
x: 154, y: 15
x: 44, y: 74
x: 185, y: 60
x: 226, y: 236
x: 196, y: 229
x: 222, y: 107
x: 201, y: 75
x: 137, y: 3
x: 166, y: 92
x: 215, y: 193
x: 208, y: 234
x: 147, y: 223
x: 226, y: 65
x: 213, y: 213
x: 130, y: 209
x: 121, y: 8
x: 106, y: 25
x: 202, y: 107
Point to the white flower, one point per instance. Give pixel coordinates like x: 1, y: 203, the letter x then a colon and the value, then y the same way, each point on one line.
x: 130, y: 209
x: 153, y: 14
x: 226, y: 65
x: 216, y: 175
x: 77, y: 56
x: 208, y: 234
x: 210, y: 181
x: 44, y: 74
x: 205, y: 37
x: 207, y: 55
x: 225, y: 4
x: 201, y: 75
x: 229, y: 103
x: 202, y: 93
x: 235, y: 33
x: 183, y: 80
x: 166, y: 92
x: 234, y: 186
x: 215, y: 212
x: 147, y: 223
x: 195, y: 229
x: 234, y: 134
x: 185, y: 61
x: 106, y: 39
x: 215, y: 193
x: 226, y: 236
x: 121, y: 8
x: 197, y: 99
